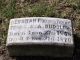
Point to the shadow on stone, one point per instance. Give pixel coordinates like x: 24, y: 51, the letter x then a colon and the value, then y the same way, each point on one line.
x: 76, y: 55
x: 40, y: 58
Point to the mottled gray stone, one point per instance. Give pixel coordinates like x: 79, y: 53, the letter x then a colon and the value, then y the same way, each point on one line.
x: 43, y: 36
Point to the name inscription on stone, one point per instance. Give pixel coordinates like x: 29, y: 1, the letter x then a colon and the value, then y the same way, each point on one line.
x: 40, y: 30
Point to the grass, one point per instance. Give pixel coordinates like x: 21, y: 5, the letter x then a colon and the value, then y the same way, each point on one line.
x: 69, y: 9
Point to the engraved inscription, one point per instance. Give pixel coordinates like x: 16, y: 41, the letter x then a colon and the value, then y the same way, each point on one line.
x: 40, y: 29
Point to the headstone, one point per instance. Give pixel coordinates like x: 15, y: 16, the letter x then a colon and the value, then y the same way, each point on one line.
x: 40, y: 36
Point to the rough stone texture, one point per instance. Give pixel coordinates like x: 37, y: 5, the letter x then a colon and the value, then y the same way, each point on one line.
x: 40, y: 36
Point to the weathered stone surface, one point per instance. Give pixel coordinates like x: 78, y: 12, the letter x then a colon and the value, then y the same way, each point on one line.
x: 42, y: 36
